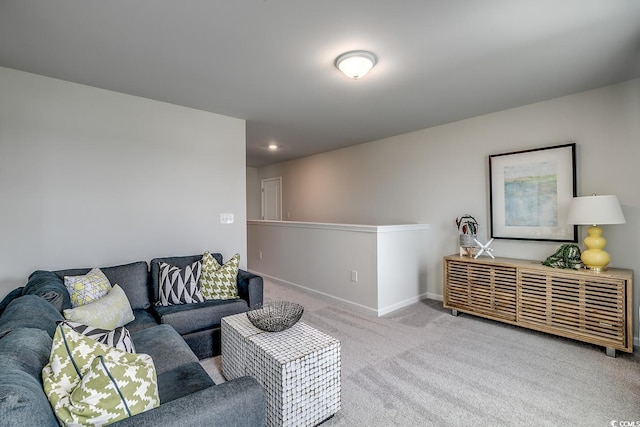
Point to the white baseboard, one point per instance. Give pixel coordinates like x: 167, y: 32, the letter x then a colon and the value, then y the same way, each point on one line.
x: 431, y: 295
x: 378, y: 312
x: 402, y: 304
x: 287, y: 283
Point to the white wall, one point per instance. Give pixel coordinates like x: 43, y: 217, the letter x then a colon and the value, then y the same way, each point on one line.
x: 402, y: 266
x: 90, y: 177
x: 317, y: 258
x: 436, y: 174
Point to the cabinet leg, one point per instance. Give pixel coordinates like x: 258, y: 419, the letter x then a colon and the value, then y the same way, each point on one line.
x: 609, y: 351
x: 454, y: 312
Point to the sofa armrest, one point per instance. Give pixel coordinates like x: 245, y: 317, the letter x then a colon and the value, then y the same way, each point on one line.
x: 250, y: 288
x: 239, y: 402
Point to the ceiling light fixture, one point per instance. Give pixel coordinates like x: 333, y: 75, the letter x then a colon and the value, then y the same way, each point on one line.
x: 273, y: 147
x: 356, y: 63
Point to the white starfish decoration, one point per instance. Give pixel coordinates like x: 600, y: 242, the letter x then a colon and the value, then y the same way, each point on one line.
x: 484, y: 248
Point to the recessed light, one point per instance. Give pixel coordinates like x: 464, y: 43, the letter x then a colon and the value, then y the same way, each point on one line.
x: 273, y: 147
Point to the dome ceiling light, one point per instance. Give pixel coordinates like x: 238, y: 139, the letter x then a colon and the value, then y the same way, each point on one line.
x: 356, y: 63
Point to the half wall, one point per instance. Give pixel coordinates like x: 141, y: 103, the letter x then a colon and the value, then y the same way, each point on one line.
x: 377, y: 267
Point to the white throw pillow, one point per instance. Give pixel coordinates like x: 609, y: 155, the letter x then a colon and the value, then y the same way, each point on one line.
x: 109, y: 312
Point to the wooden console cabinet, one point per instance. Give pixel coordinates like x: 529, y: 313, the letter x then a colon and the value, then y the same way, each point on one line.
x: 578, y: 304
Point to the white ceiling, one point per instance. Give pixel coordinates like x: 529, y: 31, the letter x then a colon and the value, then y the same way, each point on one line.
x: 271, y: 61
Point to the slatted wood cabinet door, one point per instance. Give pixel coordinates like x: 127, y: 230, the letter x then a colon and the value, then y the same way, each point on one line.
x: 578, y: 304
x: 484, y: 288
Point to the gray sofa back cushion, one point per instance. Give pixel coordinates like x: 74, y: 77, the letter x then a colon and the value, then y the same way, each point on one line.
x: 177, y: 261
x: 44, y: 284
x: 132, y: 278
x: 14, y: 294
x: 48, y: 285
x: 29, y: 311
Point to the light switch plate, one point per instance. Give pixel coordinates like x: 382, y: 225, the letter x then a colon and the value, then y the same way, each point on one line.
x: 226, y: 218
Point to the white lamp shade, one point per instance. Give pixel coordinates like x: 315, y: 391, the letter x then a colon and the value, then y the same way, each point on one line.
x: 356, y: 64
x: 595, y: 210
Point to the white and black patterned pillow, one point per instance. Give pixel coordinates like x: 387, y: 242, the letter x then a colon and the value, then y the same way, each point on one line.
x: 179, y: 286
x: 119, y: 337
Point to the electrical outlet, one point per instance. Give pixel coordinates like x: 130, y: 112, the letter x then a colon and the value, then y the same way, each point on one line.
x: 226, y: 218
x: 354, y: 276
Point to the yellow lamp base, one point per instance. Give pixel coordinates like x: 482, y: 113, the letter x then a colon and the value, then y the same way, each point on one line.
x: 594, y: 257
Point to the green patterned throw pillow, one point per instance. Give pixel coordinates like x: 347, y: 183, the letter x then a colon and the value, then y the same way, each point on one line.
x: 219, y: 282
x: 89, y: 383
x: 88, y: 288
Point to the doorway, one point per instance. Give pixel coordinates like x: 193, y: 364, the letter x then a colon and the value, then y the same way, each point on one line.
x: 272, y: 199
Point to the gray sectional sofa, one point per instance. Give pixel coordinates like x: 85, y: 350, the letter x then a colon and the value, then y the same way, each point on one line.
x: 174, y: 336
x: 199, y: 324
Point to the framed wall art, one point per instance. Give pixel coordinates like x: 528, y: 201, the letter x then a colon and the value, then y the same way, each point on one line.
x: 530, y: 193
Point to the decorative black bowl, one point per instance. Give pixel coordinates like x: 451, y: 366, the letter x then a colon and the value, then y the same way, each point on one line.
x: 276, y: 316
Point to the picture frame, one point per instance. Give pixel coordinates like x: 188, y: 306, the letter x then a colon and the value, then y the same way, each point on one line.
x: 530, y: 194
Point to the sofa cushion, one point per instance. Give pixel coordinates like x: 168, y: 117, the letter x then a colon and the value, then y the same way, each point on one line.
x: 92, y: 383
x: 118, y: 338
x: 49, y: 286
x: 143, y: 319
x: 165, y: 346
x: 182, y: 381
x: 205, y: 343
x: 178, y: 261
x: 250, y: 288
x: 23, y: 403
x: 87, y: 288
x: 132, y: 278
x: 219, y: 282
x: 194, y: 317
x: 29, y: 311
x: 239, y: 402
x: 108, y: 312
x: 25, y: 349
x: 14, y: 294
x: 179, y: 285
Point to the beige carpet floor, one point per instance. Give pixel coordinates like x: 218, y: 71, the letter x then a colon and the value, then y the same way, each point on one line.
x: 420, y: 366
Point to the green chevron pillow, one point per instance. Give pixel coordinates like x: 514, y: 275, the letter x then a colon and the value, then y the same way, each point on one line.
x: 219, y: 282
x: 90, y: 383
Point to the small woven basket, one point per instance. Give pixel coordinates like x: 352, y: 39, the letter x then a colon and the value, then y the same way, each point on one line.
x: 276, y: 316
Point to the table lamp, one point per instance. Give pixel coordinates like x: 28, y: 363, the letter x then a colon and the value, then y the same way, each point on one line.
x: 594, y: 210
